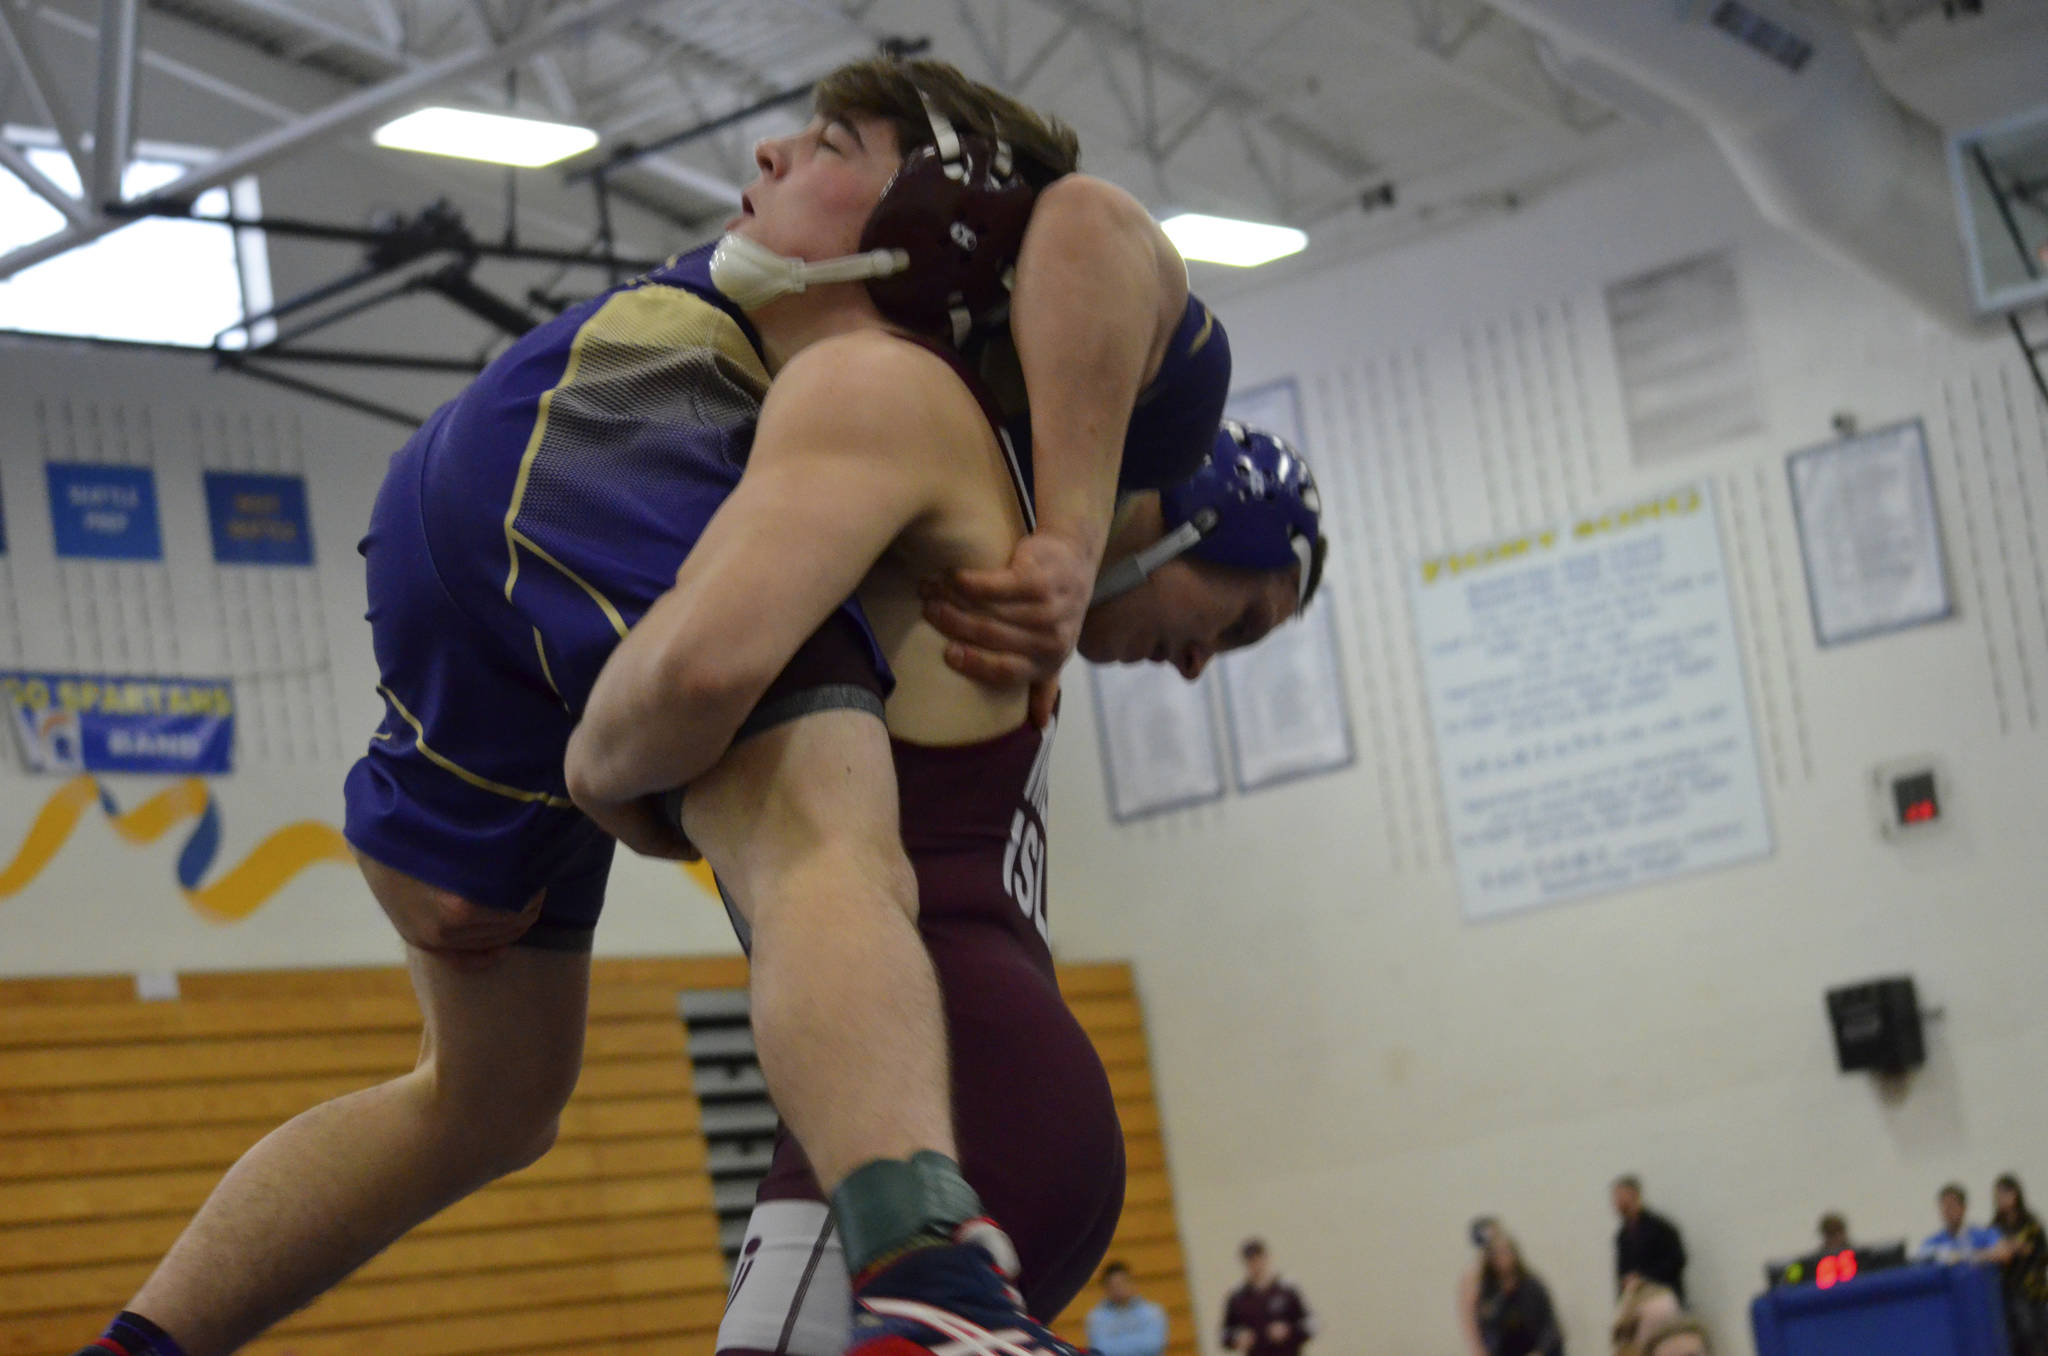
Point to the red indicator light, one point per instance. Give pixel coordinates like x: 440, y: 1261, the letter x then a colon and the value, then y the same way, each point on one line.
x: 1825, y: 1274
x: 1847, y: 1270
x: 1920, y: 812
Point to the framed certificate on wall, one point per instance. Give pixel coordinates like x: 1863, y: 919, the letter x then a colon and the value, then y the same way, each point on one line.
x: 1285, y: 701
x: 1869, y: 534
x: 1158, y: 743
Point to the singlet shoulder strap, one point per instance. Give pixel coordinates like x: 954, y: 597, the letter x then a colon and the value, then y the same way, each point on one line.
x: 1012, y: 462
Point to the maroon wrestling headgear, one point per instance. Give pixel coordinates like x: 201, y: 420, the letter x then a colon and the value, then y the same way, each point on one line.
x: 958, y: 209
x: 938, y: 253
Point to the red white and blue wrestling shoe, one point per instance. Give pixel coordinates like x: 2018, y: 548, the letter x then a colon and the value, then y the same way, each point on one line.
x: 953, y: 1300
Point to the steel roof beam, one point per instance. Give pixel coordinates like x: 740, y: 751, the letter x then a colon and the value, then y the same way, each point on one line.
x: 1433, y: 47
x: 42, y: 89
x: 343, y: 115
x: 41, y: 185
x: 116, y: 119
x: 179, y: 70
x: 1303, y: 135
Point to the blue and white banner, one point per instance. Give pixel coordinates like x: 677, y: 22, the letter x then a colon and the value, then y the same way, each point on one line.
x: 77, y: 722
x: 258, y: 519
x: 104, y: 512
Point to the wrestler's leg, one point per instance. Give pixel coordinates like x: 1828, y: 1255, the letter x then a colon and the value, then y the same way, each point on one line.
x: 800, y: 824
x: 331, y: 1188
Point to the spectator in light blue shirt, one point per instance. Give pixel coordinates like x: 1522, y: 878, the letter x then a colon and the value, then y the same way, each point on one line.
x: 1956, y: 1241
x: 1125, y: 1324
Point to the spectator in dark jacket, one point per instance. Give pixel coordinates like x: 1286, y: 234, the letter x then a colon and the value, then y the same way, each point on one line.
x: 2022, y: 1253
x: 1515, y: 1313
x: 1647, y: 1244
x: 1265, y: 1316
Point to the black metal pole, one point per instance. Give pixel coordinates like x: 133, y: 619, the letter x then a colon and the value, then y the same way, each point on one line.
x: 358, y: 235
x: 310, y: 297
x: 627, y: 154
x: 2029, y: 352
x: 2012, y: 227
x: 357, y: 357
x: 602, y: 184
x: 356, y: 307
x: 454, y: 283
x: 318, y: 392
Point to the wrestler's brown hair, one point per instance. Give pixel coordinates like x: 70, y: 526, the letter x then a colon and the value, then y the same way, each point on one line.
x: 886, y: 87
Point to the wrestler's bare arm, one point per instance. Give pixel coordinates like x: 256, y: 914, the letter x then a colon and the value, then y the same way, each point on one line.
x: 1099, y: 293
x: 842, y: 464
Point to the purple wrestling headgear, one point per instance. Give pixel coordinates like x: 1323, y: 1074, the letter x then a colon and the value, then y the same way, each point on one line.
x: 938, y: 253
x: 1253, y: 505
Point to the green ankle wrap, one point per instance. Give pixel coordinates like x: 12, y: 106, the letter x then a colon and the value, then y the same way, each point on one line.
x: 892, y: 1204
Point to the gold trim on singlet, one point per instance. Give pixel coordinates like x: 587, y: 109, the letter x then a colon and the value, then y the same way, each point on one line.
x: 604, y: 604
x: 649, y: 319
x: 542, y: 650
x: 1202, y: 335
x: 482, y: 783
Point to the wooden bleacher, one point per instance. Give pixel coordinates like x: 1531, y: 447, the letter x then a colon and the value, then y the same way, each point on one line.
x: 118, y: 1116
x: 1105, y: 1000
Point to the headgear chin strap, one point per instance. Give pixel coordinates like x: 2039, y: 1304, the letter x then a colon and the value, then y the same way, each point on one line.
x: 753, y: 275
x: 1132, y: 571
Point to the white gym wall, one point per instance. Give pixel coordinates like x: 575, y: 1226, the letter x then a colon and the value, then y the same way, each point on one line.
x: 1350, y: 1070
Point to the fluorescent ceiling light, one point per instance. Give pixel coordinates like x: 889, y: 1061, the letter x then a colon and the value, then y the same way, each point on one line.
x: 1220, y: 240
x: 485, y: 136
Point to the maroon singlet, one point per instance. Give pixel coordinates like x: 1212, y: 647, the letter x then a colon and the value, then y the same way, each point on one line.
x: 1036, y: 1123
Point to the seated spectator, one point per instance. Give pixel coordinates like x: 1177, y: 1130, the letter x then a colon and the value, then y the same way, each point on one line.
x: 1125, y: 1323
x: 1679, y: 1337
x: 1956, y: 1240
x: 1834, y: 1233
x: 1515, y: 1313
x: 2023, y: 1254
x: 1645, y: 1306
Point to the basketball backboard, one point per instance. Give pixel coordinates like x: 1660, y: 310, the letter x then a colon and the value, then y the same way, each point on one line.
x: 2000, y: 176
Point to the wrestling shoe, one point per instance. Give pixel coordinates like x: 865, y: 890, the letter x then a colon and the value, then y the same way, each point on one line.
x: 950, y: 1300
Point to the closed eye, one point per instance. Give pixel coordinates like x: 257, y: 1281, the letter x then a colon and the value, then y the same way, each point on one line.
x: 846, y: 130
x: 1242, y: 632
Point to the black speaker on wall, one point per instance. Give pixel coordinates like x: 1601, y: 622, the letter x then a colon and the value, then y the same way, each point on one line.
x: 1877, y: 1026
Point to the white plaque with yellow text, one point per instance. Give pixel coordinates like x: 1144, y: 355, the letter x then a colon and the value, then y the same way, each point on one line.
x: 1586, y: 692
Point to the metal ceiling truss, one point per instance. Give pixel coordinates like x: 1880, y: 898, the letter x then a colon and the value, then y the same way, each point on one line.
x: 432, y: 253
x: 1167, y: 94
x: 1442, y: 30
x: 116, y: 112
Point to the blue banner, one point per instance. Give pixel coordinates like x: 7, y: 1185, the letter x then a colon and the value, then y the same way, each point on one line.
x: 104, y: 512
x: 77, y: 722
x: 258, y: 519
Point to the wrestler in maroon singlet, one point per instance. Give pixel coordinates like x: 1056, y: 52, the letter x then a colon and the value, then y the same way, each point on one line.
x: 1034, y: 1119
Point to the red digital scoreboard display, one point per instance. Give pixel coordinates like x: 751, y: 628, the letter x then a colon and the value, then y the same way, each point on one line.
x: 1913, y: 799
x: 1834, y: 1269
x: 1824, y: 1272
